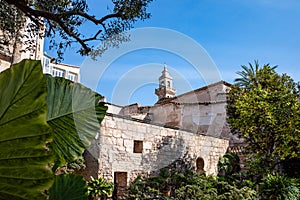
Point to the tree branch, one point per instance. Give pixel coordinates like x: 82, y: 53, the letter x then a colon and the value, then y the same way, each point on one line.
x: 57, y: 18
x: 67, y: 21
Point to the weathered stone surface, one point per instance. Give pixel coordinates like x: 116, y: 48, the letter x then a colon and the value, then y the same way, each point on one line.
x: 191, y: 125
x: 161, y: 146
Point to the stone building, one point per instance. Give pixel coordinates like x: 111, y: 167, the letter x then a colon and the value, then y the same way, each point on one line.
x: 141, y: 140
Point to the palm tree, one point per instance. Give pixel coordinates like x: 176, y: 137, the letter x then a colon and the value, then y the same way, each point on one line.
x: 250, y: 76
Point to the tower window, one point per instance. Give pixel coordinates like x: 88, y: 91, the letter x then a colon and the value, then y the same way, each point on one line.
x: 162, y: 83
x: 169, y: 84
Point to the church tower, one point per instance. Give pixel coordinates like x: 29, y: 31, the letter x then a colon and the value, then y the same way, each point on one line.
x: 165, y: 89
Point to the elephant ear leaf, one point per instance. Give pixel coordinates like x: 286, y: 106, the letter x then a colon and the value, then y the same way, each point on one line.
x: 24, y: 133
x: 74, y: 114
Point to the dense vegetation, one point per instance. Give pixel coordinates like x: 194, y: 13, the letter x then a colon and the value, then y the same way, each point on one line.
x: 186, y: 185
x: 263, y: 109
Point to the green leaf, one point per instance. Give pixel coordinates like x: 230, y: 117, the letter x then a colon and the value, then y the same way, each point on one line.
x: 74, y: 113
x: 24, y: 133
x: 69, y: 187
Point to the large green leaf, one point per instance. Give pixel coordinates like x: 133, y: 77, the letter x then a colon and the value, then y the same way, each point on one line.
x: 69, y: 187
x: 24, y: 133
x: 74, y: 113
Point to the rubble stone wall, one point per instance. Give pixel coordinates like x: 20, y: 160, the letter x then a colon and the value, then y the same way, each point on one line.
x: 114, y: 148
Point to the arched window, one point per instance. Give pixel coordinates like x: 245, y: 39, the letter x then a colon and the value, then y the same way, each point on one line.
x: 169, y: 84
x: 199, y: 165
x: 162, y: 83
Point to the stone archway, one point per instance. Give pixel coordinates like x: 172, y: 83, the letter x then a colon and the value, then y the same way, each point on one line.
x: 199, y: 165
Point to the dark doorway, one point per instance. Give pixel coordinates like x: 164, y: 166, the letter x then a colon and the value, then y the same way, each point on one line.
x: 120, y: 181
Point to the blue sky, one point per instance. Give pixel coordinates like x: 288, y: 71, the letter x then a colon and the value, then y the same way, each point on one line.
x: 232, y: 33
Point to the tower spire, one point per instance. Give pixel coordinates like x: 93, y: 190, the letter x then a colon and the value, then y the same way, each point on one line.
x: 165, y: 89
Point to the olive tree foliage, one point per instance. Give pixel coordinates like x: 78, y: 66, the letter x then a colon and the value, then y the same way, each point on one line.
x: 263, y: 109
x: 64, y: 19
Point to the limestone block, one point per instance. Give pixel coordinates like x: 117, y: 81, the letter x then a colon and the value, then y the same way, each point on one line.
x: 107, y: 132
x: 110, y: 124
x: 141, y: 128
x: 117, y: 133
x: 138, y: 136
x: 206, y: 143
x: 116, y: 141
x: 109, y: 140
x: 102, y: 128
x: 131, y: 127
x: 118, y: 120
x: 147, y: 151
x: 154, y: 130
x: 111, y: 158
x: 128, y: 150
x: 150, y: 129
x: 122, y: 125
x: 128, y: 143
x: 136, y: 160
x: 119, y: 142
x: 120, y: 149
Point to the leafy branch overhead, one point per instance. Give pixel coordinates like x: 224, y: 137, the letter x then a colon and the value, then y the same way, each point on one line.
x: 65, y: 18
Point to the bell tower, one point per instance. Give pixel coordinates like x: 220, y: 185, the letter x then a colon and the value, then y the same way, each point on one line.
x: 165, y: 89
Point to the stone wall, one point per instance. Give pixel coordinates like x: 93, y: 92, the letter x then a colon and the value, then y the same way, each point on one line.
x: 200, y: 111
x: 160, y: 147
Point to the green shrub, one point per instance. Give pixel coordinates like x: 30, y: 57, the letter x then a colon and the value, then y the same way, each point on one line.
x: 100, y: 188
x: 189, y: 186
x: 229, y: 164
x: 210, y: 188
x: 279, y: 187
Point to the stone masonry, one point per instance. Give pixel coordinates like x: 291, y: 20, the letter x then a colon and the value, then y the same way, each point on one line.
x: 140, y: 140
x: 160, y: 147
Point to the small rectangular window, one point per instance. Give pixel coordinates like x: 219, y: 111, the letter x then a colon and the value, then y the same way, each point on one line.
x: 137, y: 146
x: 58, y: 72
x: 72, y: 76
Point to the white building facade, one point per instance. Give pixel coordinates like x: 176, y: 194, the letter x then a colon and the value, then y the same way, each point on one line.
x: 70, y: 72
